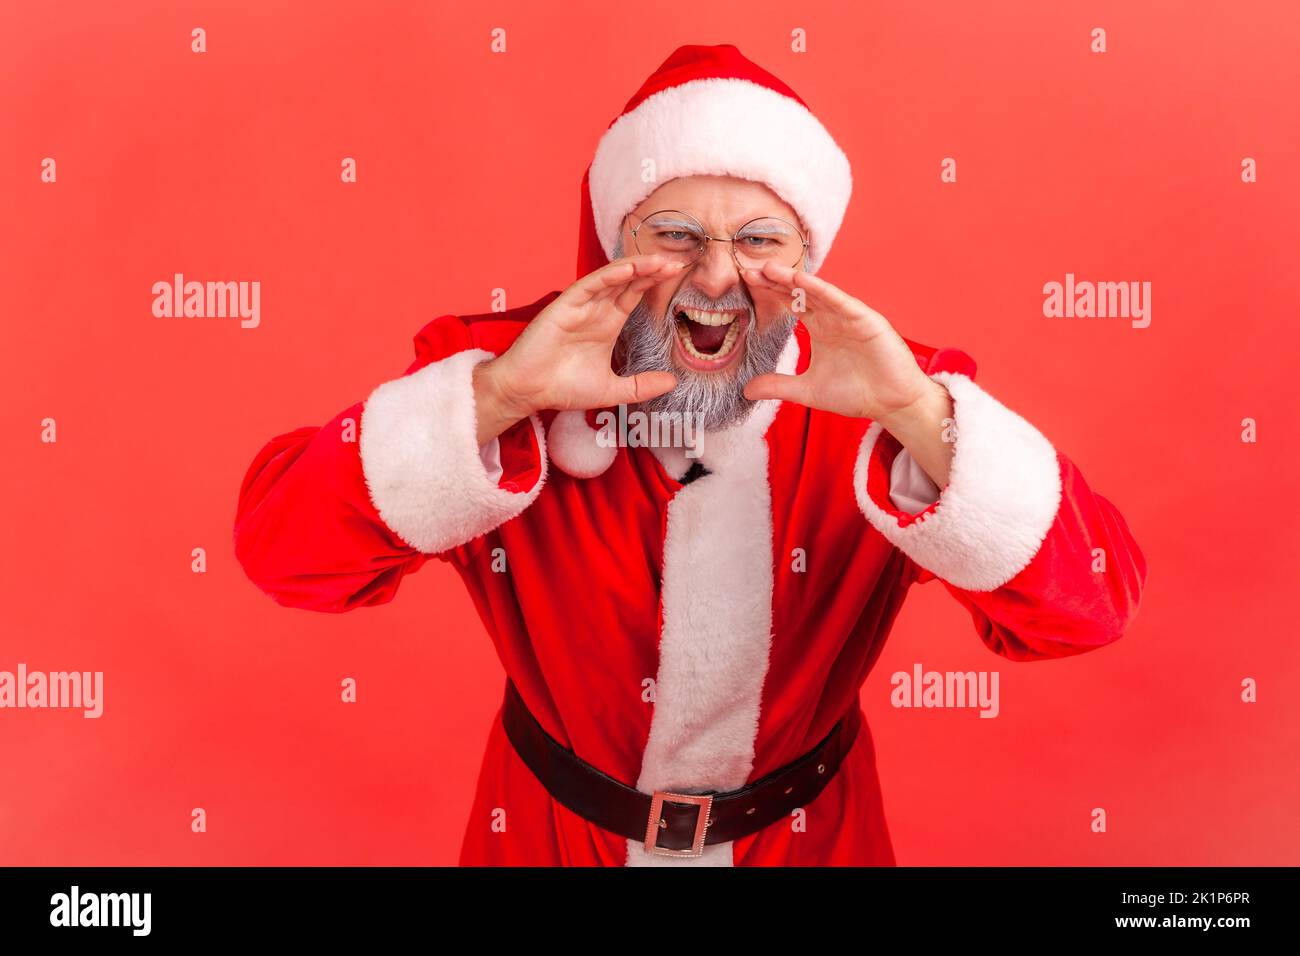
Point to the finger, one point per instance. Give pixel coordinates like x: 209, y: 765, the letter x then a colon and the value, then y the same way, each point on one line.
x: 631, y: 389
x: 817, y: 289
x: 582, y: 291
x: 645, y: 277
x: 782, y: 275
x: 787, y: 388
x: 625, y: 300
x: 782, y: 280
x: 622, y: 271
x: 756, y: 278
x: 822, y: 302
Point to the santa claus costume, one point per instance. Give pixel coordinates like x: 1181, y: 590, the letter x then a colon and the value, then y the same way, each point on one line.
x: 682, y: 629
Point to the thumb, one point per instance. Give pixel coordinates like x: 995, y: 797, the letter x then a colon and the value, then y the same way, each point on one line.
x: 788, y: 388
x: 630, y: 389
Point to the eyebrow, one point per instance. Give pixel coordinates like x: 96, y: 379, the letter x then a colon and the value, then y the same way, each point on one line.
x: 776, y: 227
x: 779, y: 228
x: 674, y: 222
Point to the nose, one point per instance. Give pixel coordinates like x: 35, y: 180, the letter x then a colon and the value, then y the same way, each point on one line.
x: 715, y: 271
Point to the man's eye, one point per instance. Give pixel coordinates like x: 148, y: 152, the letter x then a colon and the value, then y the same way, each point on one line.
x: 758, y: 242
x: 676, y: 236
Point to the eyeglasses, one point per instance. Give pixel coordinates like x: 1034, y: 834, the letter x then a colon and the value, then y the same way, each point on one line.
x: 679, y: 237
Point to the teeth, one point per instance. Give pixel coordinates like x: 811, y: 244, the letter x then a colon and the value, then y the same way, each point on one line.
x: 711, y: 318
x: 728, y: 343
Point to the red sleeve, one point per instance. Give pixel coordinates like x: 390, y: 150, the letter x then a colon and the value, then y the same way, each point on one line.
x: 333, y: 517
x: 1045, y: 566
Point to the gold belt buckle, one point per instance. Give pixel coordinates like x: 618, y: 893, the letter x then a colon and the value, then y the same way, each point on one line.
x: 655, y: 823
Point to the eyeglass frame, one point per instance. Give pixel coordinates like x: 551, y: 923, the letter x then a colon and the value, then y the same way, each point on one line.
x: 732, y: 241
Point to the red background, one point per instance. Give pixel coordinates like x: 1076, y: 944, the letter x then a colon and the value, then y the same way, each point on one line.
x: 225, y: 166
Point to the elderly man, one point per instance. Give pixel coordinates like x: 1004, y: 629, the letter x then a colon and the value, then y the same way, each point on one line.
x: 685, y: 628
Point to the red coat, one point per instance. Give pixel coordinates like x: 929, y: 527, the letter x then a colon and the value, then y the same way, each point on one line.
x: 684, y: 636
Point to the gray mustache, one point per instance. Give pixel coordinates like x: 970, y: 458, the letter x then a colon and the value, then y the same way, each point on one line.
x: 690, y: 299
x: 645, y: 344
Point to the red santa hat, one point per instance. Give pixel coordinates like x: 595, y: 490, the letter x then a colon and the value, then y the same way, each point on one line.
x: 708, y: 110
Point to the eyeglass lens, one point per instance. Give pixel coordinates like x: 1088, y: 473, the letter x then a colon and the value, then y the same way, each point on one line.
x: 679, y: 236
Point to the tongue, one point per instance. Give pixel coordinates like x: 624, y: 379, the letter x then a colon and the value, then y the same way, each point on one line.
x: 706, y: 338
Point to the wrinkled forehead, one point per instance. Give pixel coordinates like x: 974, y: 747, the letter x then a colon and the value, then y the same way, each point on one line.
x: 718, y: 202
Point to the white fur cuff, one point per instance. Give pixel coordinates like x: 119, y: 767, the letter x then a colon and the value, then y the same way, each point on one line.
x: 1003, y: 493
x: 421, y: 457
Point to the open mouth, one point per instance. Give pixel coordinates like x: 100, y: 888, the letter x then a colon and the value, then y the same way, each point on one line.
x: 709, y: 339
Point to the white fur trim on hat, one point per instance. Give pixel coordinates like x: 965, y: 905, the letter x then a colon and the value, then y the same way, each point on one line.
x: 1002, y: 496
x: 722, y: 127
x: 421, y: 458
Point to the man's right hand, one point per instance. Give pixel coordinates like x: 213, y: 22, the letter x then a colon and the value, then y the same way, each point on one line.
x: 561, y: 360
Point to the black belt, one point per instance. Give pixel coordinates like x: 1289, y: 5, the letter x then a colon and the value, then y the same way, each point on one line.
x: 674, y: 824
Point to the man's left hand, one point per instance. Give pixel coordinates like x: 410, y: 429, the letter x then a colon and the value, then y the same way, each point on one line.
x: 860, y: 367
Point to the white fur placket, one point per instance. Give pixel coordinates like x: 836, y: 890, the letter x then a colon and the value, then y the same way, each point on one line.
x: 717, y: 620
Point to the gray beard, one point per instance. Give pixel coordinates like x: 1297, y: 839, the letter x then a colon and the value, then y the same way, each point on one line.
x: 646, y: 343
